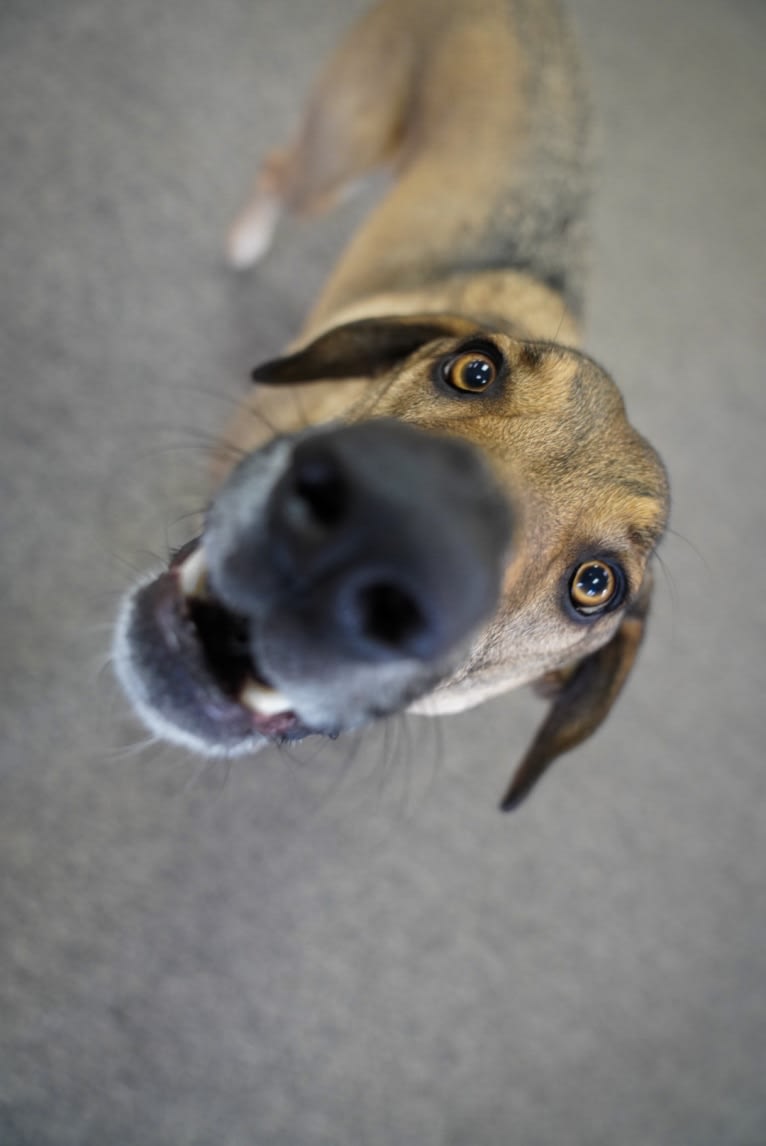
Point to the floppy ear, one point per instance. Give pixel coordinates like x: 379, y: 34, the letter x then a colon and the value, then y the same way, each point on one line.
x: 362, y: 348
x: 584, y: 696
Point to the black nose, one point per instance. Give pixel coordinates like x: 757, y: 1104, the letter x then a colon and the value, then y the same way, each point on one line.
x: 388, y: 540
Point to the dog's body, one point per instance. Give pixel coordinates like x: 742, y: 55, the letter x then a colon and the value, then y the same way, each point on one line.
x: 362, y: 564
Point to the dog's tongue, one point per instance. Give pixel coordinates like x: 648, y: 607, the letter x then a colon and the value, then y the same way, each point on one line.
x: 277, y: 725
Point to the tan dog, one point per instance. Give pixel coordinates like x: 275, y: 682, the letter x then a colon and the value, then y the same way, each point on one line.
x: 469, y: 509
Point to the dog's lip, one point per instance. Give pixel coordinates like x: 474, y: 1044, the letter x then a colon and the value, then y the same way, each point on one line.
x: 186, y: 581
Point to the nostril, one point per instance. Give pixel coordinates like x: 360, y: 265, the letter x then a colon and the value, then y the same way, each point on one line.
x: 320, y: 487
x: 390, y: 616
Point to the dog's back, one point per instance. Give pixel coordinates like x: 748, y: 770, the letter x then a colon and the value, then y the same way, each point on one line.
x: 478, y: 107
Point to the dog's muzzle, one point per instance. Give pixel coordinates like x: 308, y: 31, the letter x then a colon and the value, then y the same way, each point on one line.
x: 341, y: 574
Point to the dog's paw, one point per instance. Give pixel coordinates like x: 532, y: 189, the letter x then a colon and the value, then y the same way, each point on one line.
x: 252, y: 234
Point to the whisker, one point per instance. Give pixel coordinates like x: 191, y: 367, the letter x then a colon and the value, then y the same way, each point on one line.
x: 437, y: 740
x: 136, y: 748
x: 406, y: 766
x: 226, y: 450
x: 384, y: 769
x: 150, y: 453
x: 300, y: 753
x: 124, y: 564
x: 258, y: 414
x: 197, y: 512
x: 670, y: 582
x: 99, y: 628
x: 104, y: 665
x: 217, y: 395
x: 389, y: 760
x: 169, y: 525
x: 561, y: 322
x: 343, y: 769
x: 194, y: 438
x: 690, y: 545
x: 411, y: 766
x: 302, y: 412
x: 153, y: 556
x: 207, y: 772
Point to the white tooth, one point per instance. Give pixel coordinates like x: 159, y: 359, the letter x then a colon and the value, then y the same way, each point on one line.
x: 192, y: 575
x: 262, y: 700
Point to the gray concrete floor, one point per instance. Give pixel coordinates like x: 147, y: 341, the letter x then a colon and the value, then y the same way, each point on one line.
x: 349, y: 945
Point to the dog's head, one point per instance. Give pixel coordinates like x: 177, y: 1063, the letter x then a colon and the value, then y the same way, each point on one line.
x: 482, y: 517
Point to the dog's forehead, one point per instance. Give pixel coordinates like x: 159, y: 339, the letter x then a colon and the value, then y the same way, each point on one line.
x: 552, y: 408
x: 540, y: 379
x: 546, y: 379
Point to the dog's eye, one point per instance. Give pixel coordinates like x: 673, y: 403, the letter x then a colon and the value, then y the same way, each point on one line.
x: 472, y: 371
x: 594, y: 586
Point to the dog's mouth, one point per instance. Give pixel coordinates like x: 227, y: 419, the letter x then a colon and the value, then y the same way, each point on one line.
x: 321, y: 595
x: 223, y: 639
x: 195, y: 653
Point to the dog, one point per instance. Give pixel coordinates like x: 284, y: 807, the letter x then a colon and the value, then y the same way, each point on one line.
x: 459, y: 505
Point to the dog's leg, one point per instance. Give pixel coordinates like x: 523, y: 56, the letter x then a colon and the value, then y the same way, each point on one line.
x: 353, y: 124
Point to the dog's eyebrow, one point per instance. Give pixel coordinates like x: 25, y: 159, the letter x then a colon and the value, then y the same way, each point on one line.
x: 637, y: 488
x: 531, y: 355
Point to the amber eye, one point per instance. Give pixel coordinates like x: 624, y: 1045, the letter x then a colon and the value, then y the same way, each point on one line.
x: 471, y: 371
x: 595, y: 585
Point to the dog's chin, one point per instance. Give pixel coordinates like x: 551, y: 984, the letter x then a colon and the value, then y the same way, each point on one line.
x: 181, y: 661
